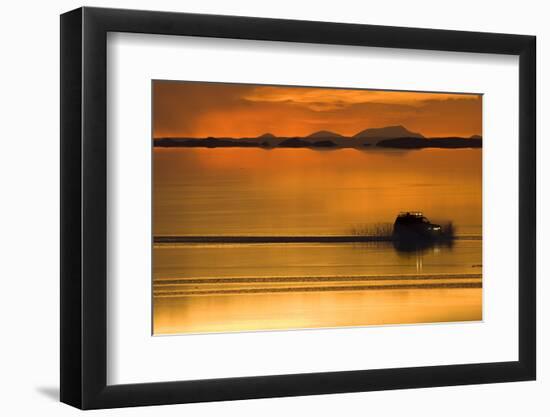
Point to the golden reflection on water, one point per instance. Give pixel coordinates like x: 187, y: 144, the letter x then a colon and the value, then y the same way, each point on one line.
x: 242, y: 191
x: 243, y: 287
x: 302, y: 260
x: 221, y: 288
x: 227, y: 313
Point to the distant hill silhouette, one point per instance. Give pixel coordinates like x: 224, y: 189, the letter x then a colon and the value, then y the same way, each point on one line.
x: 419, y: 143
x: 374, y: 135
x: 387, y: 132
x: 294, y: 143
x: 322, y: 134
x: 383, y: 137
x: 267, y: 136
x: 324, y: 144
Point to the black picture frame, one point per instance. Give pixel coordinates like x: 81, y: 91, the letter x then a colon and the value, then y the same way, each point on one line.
x: 84, y: 207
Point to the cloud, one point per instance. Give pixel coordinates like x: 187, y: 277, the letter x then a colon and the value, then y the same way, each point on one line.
x: 346, y: 96
x: 241, y: 110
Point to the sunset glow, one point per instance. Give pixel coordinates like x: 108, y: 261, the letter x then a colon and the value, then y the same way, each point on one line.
x: 185, y: 109
x: 282, y: 207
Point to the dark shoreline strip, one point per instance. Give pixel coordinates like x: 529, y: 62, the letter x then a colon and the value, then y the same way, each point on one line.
x: 239, y: 280
x: 465, y: 285
x: 342, y: 142
x: 290, y: 239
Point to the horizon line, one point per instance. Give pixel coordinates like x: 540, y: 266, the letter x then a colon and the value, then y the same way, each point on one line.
x: 313, y: 133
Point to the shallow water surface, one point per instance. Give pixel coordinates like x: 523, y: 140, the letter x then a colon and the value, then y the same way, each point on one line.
x: 241, y: 191
x: 222, y: 287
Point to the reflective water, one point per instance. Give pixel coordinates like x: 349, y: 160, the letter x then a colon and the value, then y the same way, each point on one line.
x: 207, y: 288
x: 243, y: 191
x: 292, y: 192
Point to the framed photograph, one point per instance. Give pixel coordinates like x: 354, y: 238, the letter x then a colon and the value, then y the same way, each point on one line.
x: 257, y: 208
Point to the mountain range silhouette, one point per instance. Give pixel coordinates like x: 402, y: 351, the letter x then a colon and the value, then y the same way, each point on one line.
x: 385, y: 137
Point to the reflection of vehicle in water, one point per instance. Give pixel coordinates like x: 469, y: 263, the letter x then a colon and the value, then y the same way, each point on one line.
x: 413, y: 226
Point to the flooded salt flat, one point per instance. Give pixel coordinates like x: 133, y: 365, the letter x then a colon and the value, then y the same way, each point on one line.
x: 224, y: 287
x: 240, y: 191
x: 229, y: 287
x: 299, y: 310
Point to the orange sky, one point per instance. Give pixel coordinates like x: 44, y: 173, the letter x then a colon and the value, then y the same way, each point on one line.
x: 196, y: 109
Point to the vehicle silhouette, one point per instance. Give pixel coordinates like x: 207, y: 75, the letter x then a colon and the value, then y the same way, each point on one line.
x: 414, y: 226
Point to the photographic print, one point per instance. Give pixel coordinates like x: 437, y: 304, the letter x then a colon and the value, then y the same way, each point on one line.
x: 290, y: 207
